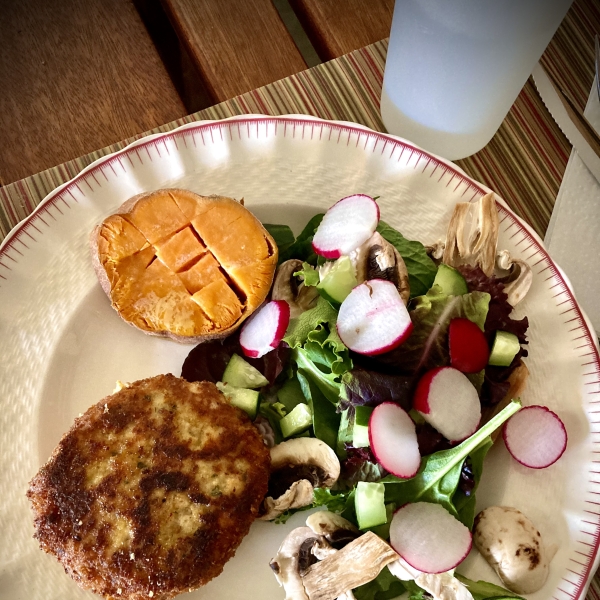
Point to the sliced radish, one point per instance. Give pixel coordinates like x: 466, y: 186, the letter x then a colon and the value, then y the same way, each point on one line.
x: 535, y: 437
x: 429, y: 538
x: 448, y: 401
x: 373, y: 319
x: 346, y: 225
x: 393, y: 440
x: 264, y: 330
x: 469, y: 351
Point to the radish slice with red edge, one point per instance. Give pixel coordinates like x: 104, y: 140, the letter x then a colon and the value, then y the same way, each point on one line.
x: 346, y: 225
x: 265, y: 329
x: 393, y: 440
x: 429, y: 538
x: 535, y: 437
x: 449, y: 402
x: 373, y: 319
x: 469, y: 351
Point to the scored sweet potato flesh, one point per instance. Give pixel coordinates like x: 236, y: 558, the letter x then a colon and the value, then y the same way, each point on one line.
x: 187, y: 266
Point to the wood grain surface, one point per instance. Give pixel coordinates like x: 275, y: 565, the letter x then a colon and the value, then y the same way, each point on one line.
x: 76, y: 75
x: 236, y: 46
x: 336, y: 27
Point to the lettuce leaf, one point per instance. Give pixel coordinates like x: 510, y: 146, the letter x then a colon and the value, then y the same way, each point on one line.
x: 421, y: 269
x: 370, y: 388
x: 427, y: 345
x: 317, y: 350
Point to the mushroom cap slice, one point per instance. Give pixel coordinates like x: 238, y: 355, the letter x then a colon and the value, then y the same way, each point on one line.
x: 378, y: 259
x: 519, y: 278
x: 185, y: 266
x: 513, y: 547
x: 473, y: 243
x: 287, y: 287
x: 354, y: 565
x: 286, y: 563
x: 297, y: 467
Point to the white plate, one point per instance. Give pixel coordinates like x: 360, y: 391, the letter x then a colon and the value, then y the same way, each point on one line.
x: 63, y: 347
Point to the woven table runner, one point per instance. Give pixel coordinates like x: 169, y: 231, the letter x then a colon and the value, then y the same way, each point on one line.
x: 524, y: 162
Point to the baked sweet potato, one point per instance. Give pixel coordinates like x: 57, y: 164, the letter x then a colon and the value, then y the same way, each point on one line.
x: 189, y: 267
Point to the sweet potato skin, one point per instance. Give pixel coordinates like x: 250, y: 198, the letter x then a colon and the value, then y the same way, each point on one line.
x: 249, y: 273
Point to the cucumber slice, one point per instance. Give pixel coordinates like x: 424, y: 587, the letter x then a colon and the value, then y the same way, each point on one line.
x: 290, y: 394
x: 451, y: 281
x: 383, y: 531
x: 247, y: 400
x: 505, y: 348
x: 339, y: 280
x: 242, y: 374
x: 360, y: 433
x: 369, y: 504
x: 297, y: 421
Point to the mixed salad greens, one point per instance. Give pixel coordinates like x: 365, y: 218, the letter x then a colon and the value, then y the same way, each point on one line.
x: 313, y: 385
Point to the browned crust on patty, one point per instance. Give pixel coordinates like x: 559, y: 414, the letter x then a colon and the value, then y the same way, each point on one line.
x: 151, y: 491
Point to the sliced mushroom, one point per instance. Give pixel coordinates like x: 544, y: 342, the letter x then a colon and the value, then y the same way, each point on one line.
x: 297, y: 467
x: 354, y: 565
x: 436, y: 250
x: 378, y: 259
x: 472, y: 239
x: 288, y: 287
x: 443, y: 586
x: 403, y: 571
x: 286, y: 563
x: 333, y: 527
x: 513, y: 547
x: 518, y: 279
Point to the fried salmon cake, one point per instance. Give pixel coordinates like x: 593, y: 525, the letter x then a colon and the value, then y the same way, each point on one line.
x: 152, y: 490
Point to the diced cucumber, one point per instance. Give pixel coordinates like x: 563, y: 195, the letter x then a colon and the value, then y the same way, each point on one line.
x: 242, y: 374
x: 290, y: 394
x: 297, y: 421
x: 369, y: 504
x: 383, y: 531
x: 339, y: 280
x: 451, y: 281
x: 247, y: 400
x: 504, y: 349
x: 360, y: 433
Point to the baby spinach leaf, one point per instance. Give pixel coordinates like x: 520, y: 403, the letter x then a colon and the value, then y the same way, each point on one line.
x: 383, y: 587
x: 421, y: 269
x: 439, y: 474
x: 302, y: 248
x: 465, y: 503
x: 325, y: 418
x: 482, y: 590
x: 282, y: 234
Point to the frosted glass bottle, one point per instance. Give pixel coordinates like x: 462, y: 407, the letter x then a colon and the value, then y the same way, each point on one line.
x: 455, y: 67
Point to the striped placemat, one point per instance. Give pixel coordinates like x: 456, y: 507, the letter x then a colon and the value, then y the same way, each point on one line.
x: 524, y: 162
